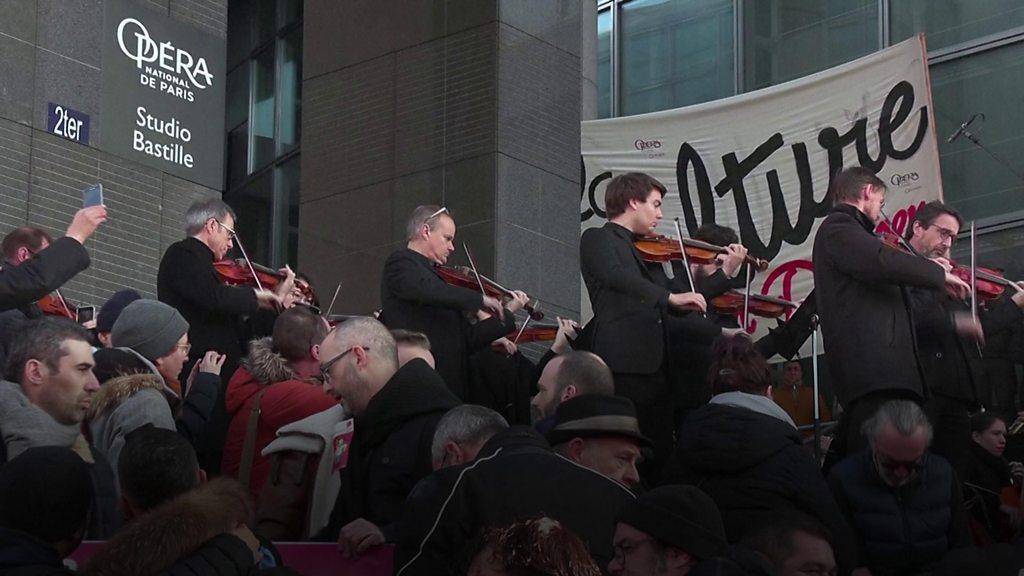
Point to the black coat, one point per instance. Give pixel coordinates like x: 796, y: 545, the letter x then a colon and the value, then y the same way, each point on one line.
x: 865, y: 315
x: 391, y: 447
x: 904, y: 529
x: 628, y: 298
x: 984, y: 480
x: 753, y: 465
x: 414, y: 297
x: 515, y: 476
x: 24, y: 284
x: 24, y: 555
x: 187, y: 281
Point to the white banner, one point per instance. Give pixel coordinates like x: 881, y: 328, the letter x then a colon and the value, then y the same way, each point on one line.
x: 760, y: 162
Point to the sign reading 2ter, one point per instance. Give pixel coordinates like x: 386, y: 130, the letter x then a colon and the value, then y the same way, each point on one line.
x: 163, y: 93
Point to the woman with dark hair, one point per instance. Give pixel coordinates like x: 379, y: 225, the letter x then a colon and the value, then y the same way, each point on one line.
x: 744, y: 451
x: 988, y: 474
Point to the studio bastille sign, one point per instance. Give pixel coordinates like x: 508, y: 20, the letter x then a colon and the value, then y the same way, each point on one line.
x: 163, y: 93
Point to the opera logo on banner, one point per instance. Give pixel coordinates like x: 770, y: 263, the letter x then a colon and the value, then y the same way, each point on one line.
x: 165, y: 67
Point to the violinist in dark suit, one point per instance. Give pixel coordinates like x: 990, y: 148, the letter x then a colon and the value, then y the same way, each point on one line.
x: 866, y: 320
x: 630, y: 301
x: 456, y: 320
x: 187, y: 281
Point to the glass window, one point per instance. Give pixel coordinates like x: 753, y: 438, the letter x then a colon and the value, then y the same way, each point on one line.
x: 263, y: 109
x: 239, y: 32
x: 787, y: 39
x: 291, y: 10
x: 952, y: 22
x: 238, y: 155
x: 675, y: 53
x: 266, y: 20
x: 237, y: 99
x: 989, y: 82
x: 604, y: 64
x: 252, y: 203
x: 291, y: 91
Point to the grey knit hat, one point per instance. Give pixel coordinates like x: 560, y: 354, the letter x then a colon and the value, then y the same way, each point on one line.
x: 149, y: 327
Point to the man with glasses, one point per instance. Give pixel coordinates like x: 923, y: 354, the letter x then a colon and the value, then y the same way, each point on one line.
x: 396, y: 411
x: 214, y: 311
x: 949, y: 338
x: 866, y: 323
x: 904, y: 502
x: 414, y: 297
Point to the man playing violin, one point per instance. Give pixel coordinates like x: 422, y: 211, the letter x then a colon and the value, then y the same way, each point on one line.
x: 631, y: 301
x: 950, y: 339
x: 187, y: 281
x: 861, y: 289
x: 415, y: 297
x: 35, y: 265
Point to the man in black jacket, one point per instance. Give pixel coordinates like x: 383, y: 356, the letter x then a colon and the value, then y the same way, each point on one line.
x: 214, y: 311
x: 34, y: 265
x: 396, y: 411
x: 631, y: 302
x: 515, y: 475
x: 859, y: 283
x: 904, y: 503
x: 949, y: 339
x: 414, y: 297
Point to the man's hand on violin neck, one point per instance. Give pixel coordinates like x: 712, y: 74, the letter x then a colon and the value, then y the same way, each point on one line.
x: 518, y: 301
x: 735, y: 255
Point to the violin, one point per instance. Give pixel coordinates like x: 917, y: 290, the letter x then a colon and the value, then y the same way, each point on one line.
x: 53, y: 304
x: 732, y: 302
x: 660, y: 248
x: 464, y: 277
x: 534, y: 333
x: 238, y: 273
x: 989, y: 284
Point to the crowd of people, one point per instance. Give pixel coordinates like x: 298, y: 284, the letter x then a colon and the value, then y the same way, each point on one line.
x: 190, y: 432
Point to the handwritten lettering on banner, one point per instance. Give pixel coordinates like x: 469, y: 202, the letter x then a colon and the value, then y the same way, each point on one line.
x: 762, y: 162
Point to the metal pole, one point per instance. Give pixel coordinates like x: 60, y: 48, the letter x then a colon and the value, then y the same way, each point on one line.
x: 814, y: 372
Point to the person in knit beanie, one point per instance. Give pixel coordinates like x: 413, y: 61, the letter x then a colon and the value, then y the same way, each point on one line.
x: 110, y: 311
x: 668, y: 530
x: 140, y: 385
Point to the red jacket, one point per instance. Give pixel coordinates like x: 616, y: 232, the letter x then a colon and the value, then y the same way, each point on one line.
x: 286, y: 400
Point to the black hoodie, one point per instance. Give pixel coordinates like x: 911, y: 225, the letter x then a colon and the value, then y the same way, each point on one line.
x: 391, y: 447
x: 753, y: 465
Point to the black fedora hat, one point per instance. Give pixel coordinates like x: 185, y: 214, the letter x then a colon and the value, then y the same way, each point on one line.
x: 593, y: 415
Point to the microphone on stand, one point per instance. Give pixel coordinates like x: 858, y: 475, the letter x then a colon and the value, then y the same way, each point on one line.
x: 963, y: 127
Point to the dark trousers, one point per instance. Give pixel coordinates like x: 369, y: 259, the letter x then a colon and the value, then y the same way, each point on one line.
x: 848, y: 438
x: 951, y: 423
x: 650, y: 396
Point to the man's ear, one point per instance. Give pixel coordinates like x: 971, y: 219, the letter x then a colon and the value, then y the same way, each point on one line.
x: 569, y: 392
x: 22, y: 254
x: 574, y: 449
x: 677, y: 560
x: 769, y: 391
x: 200, y: 477
x: 33, y: 373
x: 314, y: 351
x: 455, y: 454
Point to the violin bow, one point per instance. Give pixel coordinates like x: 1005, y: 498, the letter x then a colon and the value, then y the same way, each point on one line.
x: 536, y: 306
x: 248, y: 262
x: 746, y: 299
x: 63, y: 303
x: 473, y: 267
x: 330, y: 308
x: 686, y: 259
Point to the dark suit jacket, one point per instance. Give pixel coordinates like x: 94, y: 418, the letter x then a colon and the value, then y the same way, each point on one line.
x: 629, y: 301
x: 414, y: 297
x: 866, y: 320
x: 187, y: 281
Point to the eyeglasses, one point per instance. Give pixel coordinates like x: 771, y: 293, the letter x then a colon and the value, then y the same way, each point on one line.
x: 945, y: 233
x: 891, y: 465
x: 441, y: 210
x: 325, y: 368
x: 183, y: 347
x: 224, y: 226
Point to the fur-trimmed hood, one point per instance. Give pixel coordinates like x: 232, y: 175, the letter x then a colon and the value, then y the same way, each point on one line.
x: 153, y: 542
x: 265, y: 365
x: 117, y: 390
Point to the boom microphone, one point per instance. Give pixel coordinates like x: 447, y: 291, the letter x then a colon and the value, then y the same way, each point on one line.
x: 963, y: 127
